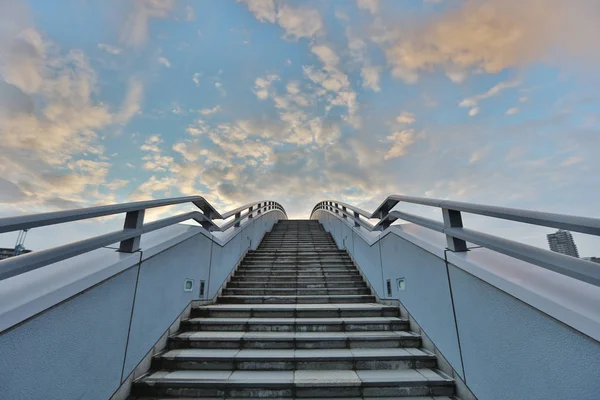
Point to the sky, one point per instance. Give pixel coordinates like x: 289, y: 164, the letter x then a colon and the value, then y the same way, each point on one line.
x: 485, y: 101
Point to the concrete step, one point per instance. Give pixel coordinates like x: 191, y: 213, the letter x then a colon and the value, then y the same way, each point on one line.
x: 298, y: 265
x: 300, y: 384
x: 298, y: 272
x: 296, y: 299
x: 293, y: 291
x: 293, y: 360
x: 297, y: 252
x: 297, y: 260
x: 316, y: 248
x: 308, y: 285
x: 293, y: 270
x: 296, y: 310
x: 313, y: 398
x: 343, y: 324
x: 294, y: 340
x: 354, y: 277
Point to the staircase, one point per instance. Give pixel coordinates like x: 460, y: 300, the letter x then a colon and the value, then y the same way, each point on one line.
x: 296, y: 321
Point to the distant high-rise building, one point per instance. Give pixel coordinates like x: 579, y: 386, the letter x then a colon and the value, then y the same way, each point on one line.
x: 562, y: 242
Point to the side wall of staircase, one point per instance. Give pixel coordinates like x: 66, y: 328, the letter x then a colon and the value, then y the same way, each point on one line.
x: 87, y: 346
x: 500, y: 346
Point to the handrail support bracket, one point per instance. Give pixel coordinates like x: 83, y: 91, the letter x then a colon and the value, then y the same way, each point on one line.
x: 453, y: 219
x: 133, y: 220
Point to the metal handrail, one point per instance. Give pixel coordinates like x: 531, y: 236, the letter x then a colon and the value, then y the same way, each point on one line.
x: 129, y: 236
x: 457, y: 236
x: 10, y: 224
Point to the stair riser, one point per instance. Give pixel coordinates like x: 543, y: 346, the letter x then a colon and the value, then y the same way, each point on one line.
x: 298, y: 344
x: 293, y: 285
x: 293, y: 314
x: 277, y: 279
x: 297, y: 327
x: 282, y: 391
x: 297, y: 253
x: 308, y: 300
x: 316, y: 261
x: 286, y: 269
x: 291, y: 273
x: 289, y: 365
x: 292, y: 292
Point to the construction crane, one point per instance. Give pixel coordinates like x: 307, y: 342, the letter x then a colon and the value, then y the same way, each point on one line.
x: 20, y: 246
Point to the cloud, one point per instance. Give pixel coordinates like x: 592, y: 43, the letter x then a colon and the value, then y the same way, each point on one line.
x: 154, y: 160
x: 479, y: 155
x: 132, y: 104
x: 298, y: 22
x: 333, y: 80
x: 406, y: 117
x: 196, y: 78
x: 370, y: 77
x: 24, y: 61
x: 262, y: 86
x: 164, y: 62
x: 135, y: 29
x: 209, y: 111
x: 512, y: 111
x: 370, y: 5
x: 293, y: 87
x: 326, y: 55
x: 563, y: 32
x: 456, y: 76
x: 473, y: 101
x: 190, y: 15
x: 114, y: 50
x: 116, y: 184
x: 263, y: 10
x: 10, y: 193
x: 400, y: 142
x: 572, y: 161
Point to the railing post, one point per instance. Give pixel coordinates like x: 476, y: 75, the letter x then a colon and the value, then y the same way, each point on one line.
x: 386, y: 224
x: 453, y: 219
x: 237, y: 215
x: 133, y: 220
x: 356, y: 218
x: 250, y: 212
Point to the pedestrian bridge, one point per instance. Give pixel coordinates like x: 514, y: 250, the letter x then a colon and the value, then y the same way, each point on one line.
x: 347, y: 304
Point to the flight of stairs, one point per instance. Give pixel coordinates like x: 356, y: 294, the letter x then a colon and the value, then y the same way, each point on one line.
x: 295, y: 321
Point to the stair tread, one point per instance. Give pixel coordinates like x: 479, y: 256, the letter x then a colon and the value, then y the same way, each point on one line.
x: 299, y: 378
x: 342, y: 336
x: 297, y: 354
x: 337, y: 296
x: 334, y: 320
x: 303, y: 307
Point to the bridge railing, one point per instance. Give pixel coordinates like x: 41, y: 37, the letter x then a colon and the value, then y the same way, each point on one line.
x: 457, y: 235
x: 129, y: 236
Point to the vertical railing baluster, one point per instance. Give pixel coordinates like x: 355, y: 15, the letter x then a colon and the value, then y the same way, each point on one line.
x: 133, y: 220
x: 453, y: 219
